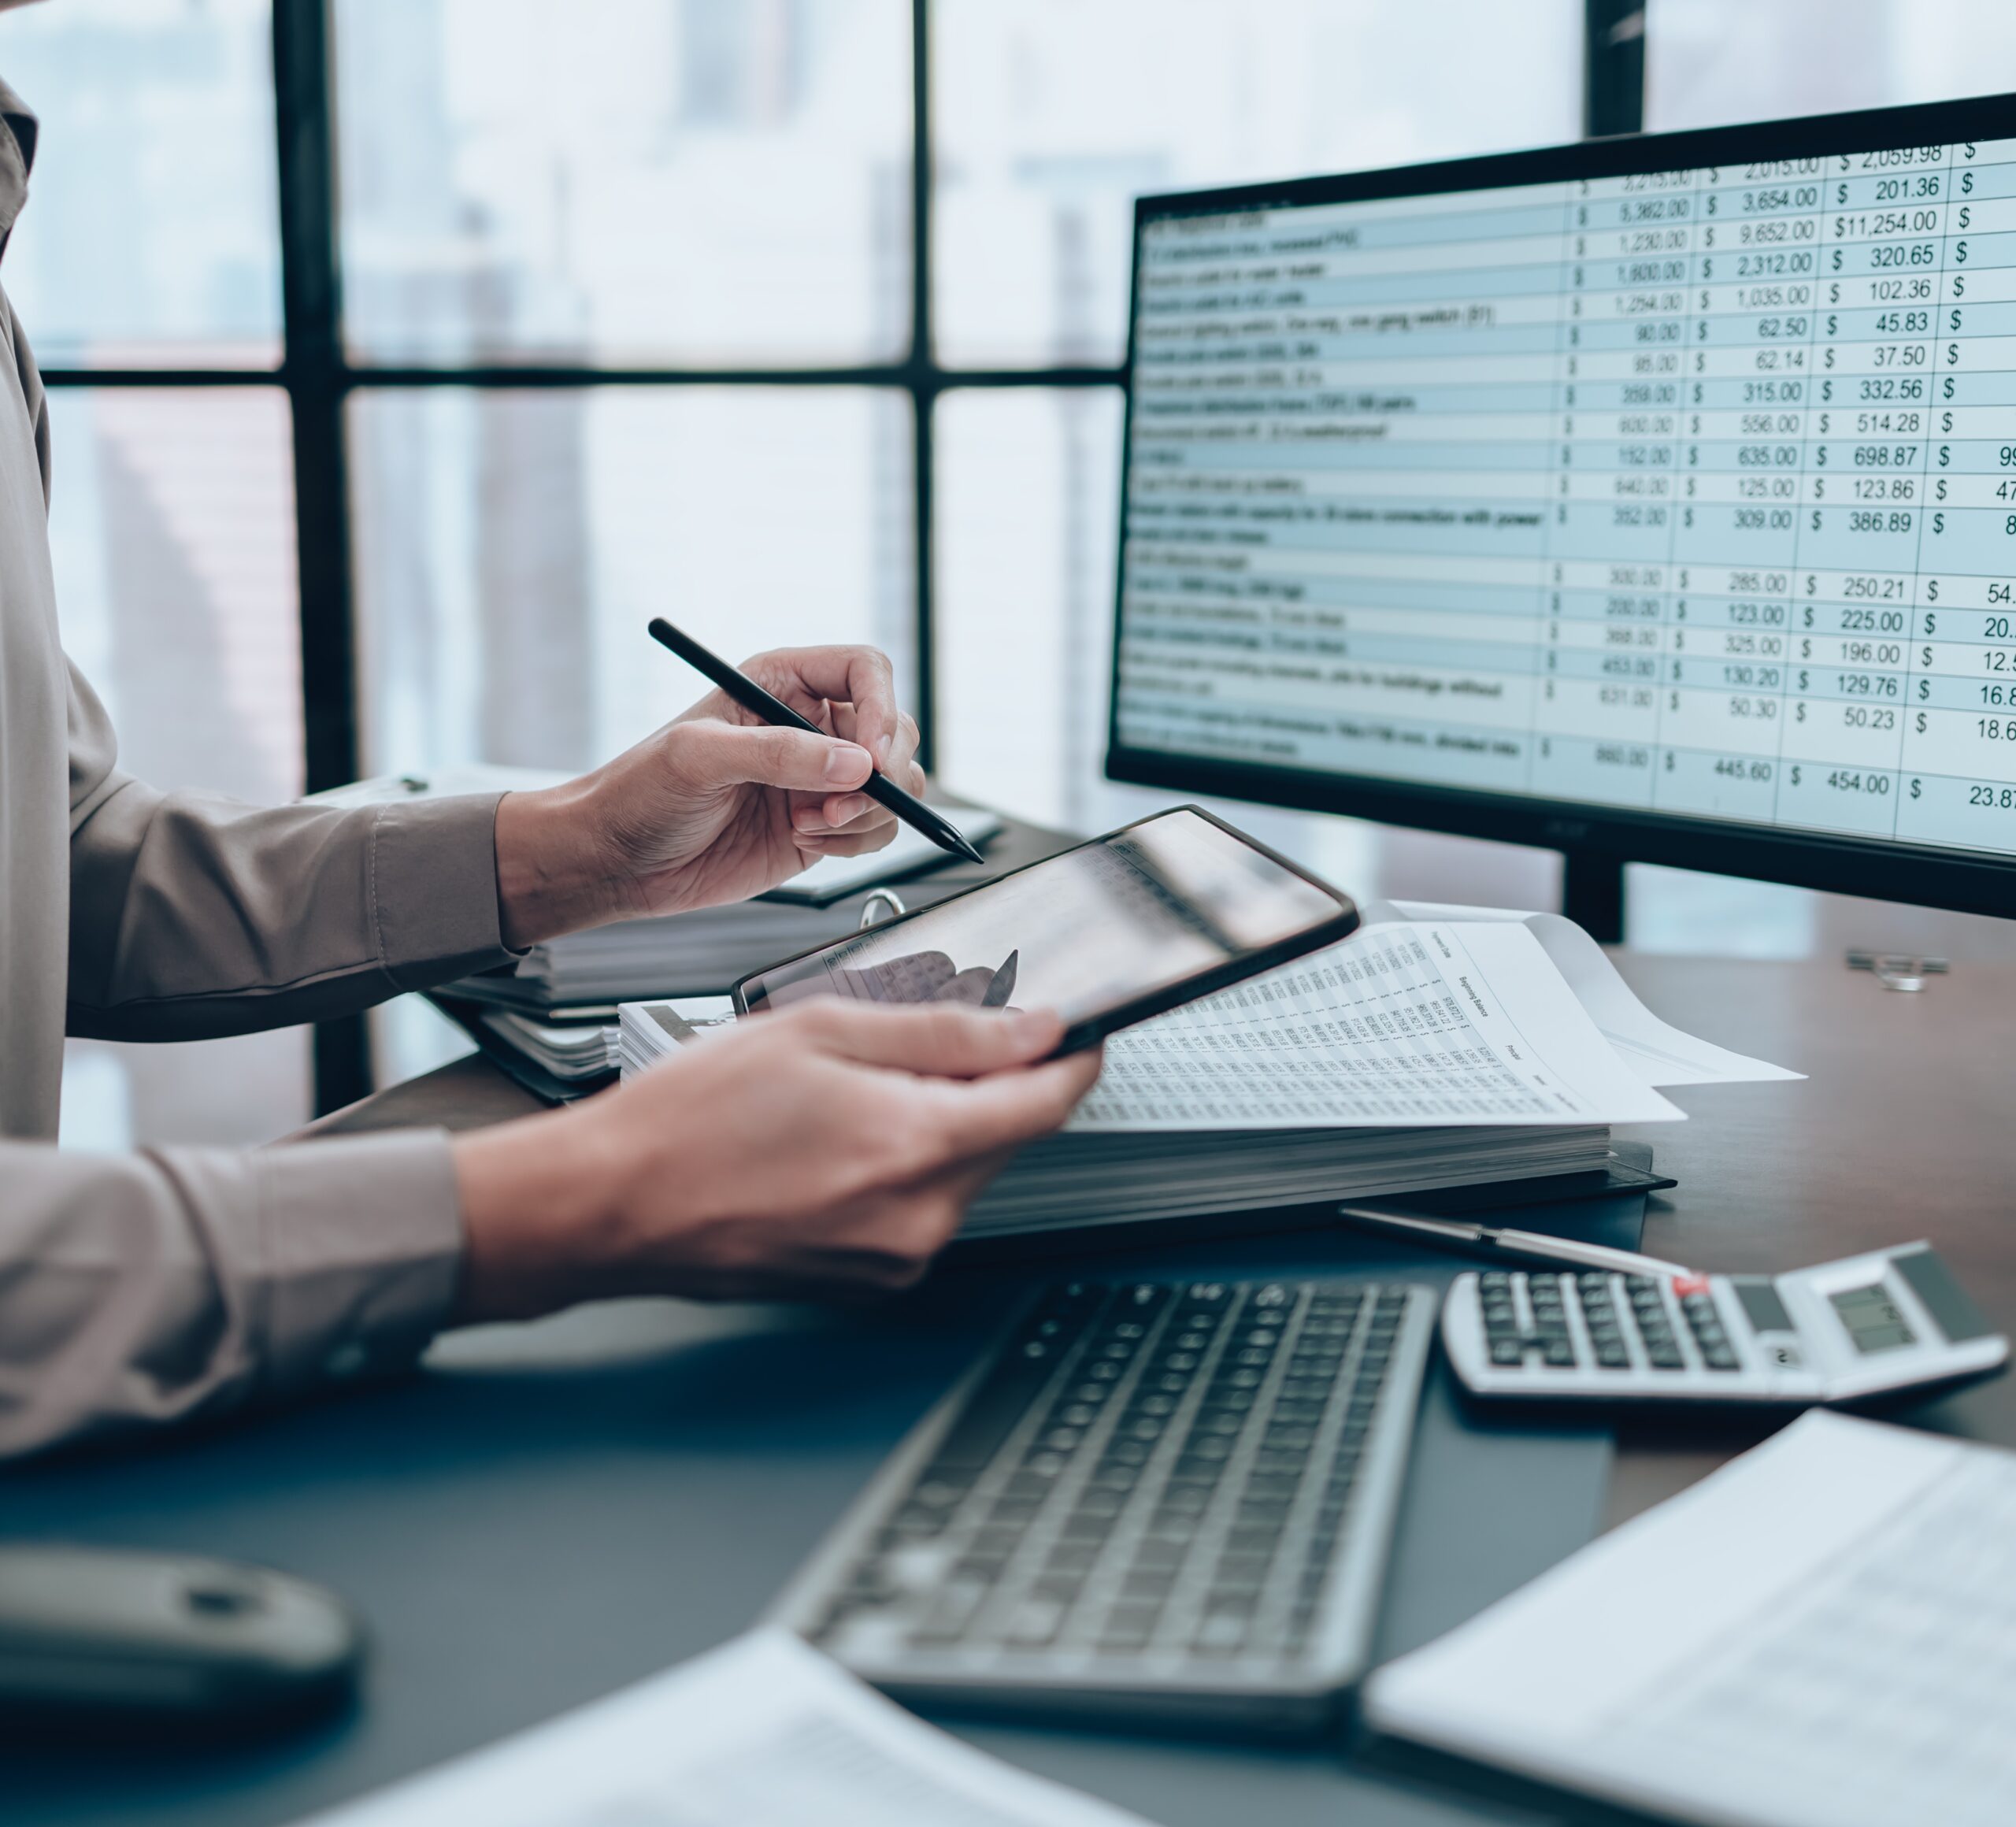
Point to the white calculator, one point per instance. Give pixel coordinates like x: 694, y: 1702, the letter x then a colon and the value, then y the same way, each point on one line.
x: 1864, y: 1326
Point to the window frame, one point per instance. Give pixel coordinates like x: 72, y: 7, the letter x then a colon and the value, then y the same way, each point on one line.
x: 318, y: 375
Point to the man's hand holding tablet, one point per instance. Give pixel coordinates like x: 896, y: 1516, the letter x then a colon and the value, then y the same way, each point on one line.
x: 833, y: 1145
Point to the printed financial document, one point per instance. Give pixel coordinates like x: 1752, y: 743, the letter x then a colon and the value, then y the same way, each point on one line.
x: 1659, y: 1052
x: 763, y: 1731
x: 1407, y: 1023
x: 1817, y: 1635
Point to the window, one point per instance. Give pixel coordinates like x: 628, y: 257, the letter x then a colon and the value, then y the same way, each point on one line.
x: 512, y: 543
x: 631, y: 183
x: 1711, y: 61
x: 1052, y: 115
x: 590, y: 311
x: 172, y: 532
x: 153, y: 239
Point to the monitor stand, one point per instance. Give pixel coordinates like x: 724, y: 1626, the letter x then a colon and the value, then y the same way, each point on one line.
x: 1592, y: 894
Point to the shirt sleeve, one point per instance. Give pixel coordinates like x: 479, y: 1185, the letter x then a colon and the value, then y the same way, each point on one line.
x: 192, y: 915
x: 147, y: 1289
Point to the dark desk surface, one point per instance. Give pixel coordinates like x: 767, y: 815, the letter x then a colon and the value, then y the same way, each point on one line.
x: 537, y: 1524
x: 1906, y: 1128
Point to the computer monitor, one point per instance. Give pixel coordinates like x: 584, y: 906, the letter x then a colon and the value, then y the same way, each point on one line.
x: 1653, y: 497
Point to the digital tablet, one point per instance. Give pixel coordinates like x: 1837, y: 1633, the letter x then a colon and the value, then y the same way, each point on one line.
x: 1143, y: 920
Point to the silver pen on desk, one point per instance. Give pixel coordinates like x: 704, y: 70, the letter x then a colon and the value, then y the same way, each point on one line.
x: 1513, y: 1242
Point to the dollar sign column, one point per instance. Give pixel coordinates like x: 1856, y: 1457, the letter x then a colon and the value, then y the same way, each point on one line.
x: 1959, y: 752
x: 1743, y: 429
x: 1610, y: 549
x: 1863, y: 512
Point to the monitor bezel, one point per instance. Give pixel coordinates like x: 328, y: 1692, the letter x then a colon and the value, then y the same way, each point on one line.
x: 1971, y: 881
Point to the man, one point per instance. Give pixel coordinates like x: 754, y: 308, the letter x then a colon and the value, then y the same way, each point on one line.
x: 828, y: 1148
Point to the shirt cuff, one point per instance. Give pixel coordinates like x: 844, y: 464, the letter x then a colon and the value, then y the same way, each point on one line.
x: 358, y: 1255
x: 433, y: 890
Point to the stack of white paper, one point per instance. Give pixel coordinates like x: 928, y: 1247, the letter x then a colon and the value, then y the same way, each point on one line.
x: 761, y: 1733
x: 570, y: 1053
x: 646, y: 1032
x: 1418, y: 1053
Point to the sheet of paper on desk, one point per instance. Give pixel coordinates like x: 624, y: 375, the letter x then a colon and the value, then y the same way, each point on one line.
x: 1659, y: 1053
x: 1407, y: 1024
x: 1818, y: 1634
x: 761, y: 1733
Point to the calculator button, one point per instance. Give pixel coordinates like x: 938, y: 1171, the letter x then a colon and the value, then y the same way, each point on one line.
x: 1508, y: 1352
x: 1718, y: 1358
x: 1558, y: 1354
x: 1613, y: 1357
x: 1665, y: 1356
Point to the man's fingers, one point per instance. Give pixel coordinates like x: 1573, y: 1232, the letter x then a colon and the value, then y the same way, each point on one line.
x: 1012, y: 1107
x: 937, y: 1040
x: 728, y: 754
x: 859, y: 676
x: 846, y: 843
x: 853, y: 813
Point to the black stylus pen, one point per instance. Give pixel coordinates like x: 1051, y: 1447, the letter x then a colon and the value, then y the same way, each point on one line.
x: 752, y: 698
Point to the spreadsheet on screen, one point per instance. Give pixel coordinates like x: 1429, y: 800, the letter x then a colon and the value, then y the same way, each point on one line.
x: 1691, y: 491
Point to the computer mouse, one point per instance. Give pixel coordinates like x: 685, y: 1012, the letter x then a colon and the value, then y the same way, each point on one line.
x: 101, y: 1633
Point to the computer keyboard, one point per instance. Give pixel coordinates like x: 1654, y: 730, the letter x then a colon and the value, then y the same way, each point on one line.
x: 1151, y: 1500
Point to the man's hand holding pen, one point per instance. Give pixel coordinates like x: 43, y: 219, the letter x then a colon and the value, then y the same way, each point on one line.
x: 716, y: 806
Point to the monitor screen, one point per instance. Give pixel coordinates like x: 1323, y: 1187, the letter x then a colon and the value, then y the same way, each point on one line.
x: 1659, y: 494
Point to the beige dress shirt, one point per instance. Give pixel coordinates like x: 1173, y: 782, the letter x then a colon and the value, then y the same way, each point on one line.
x: 181, y: 1281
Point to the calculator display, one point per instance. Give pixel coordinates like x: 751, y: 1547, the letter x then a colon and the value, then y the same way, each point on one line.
x: 1872, y: 1320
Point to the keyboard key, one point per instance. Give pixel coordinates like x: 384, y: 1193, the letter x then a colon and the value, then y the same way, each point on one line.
x: 1129, y: 1625
x: 1240, y: 1572
x: 1222, y: 1630
x: 1035, y: 1623
x: 951, y: 1611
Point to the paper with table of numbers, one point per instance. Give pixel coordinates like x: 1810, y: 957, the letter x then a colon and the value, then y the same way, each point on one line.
x: 1822, y: 1634
x: 1658, y: 1052
x: 761, y: 1733
x: 1430, y: 1024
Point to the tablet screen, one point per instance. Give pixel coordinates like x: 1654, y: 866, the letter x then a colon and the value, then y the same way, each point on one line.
x: 1083, y: 933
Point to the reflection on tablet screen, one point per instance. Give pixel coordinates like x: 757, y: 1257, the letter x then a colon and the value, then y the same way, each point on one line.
x: 1079, y: 933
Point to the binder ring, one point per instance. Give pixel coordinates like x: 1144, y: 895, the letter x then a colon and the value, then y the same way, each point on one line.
x: 882, y: 904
